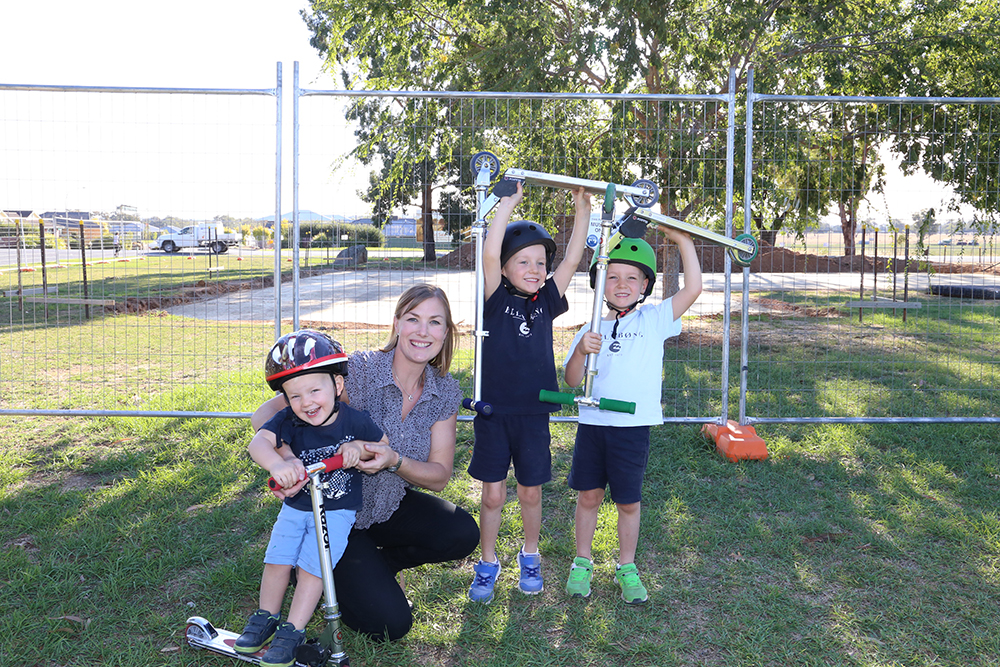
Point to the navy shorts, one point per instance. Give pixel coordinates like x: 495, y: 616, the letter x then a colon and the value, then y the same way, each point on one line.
x: 521, y: 439
x: 613, y: 457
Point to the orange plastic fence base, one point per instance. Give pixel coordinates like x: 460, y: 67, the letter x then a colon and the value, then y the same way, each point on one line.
x: 736, y: 442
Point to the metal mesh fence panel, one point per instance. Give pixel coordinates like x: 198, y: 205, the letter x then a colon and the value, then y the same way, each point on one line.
x: 408, y: 156
x: 865, y: 304
x: 92, y: 317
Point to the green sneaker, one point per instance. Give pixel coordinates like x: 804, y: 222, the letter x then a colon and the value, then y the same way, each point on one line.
x: 633, y: 592
x: 578, y: 585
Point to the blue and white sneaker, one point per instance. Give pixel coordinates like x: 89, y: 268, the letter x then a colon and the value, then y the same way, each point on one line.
x: 530, y: 582
x: 485, y: 579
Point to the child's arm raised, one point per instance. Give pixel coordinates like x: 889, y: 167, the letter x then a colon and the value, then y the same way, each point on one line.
x: 687, y: 295
x: 577, y: 241
x: 494, y: 240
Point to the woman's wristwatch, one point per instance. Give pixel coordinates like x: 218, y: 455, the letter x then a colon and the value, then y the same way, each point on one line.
x: 394, y: 467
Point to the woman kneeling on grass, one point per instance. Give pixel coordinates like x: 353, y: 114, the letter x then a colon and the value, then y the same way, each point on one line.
x: 411, y: 396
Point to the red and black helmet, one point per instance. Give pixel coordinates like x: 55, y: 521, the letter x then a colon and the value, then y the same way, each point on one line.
x: 301, y: 352
x: 523, y: 233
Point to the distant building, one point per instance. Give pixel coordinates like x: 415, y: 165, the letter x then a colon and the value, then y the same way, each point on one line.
x: 68, y: 222
x: 26, y: 218
x: 401, y: 228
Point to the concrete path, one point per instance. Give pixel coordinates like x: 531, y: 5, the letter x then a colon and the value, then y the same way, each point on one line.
x: 365, y: 298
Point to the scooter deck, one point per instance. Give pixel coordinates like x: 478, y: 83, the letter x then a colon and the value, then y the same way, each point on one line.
x: 696, y: 231
x: 202, y: 634
x: 572, y: 183
x: 642, y: 193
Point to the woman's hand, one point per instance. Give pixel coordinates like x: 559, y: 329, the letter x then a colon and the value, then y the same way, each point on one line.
x: 382, y: 456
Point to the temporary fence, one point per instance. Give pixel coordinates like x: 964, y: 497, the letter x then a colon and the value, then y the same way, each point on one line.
x: 904, y: 329
x: 383, y: 197
x: 89, y: 328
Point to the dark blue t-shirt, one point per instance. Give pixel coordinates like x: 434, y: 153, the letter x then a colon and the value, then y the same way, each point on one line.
x: 312, y: 444
x: 518, y: 360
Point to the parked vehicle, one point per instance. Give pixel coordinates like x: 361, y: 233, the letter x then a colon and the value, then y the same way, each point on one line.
x: 212, y: 237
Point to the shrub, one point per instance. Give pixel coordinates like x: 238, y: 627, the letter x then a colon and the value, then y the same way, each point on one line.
x: 327, y: 235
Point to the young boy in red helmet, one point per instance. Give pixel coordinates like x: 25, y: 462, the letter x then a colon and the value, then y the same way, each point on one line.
x: 521, y: 300
x: 612, y: 448
x: 309, y: 368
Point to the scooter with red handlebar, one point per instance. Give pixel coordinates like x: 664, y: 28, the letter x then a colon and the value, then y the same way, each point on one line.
x: 328, y: 648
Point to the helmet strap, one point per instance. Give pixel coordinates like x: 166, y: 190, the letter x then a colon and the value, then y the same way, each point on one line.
x: 622, y: 312
x: 528, y: 298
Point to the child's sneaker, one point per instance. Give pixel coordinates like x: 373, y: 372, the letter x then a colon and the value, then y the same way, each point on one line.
x: 257, y: 633
x: 282, y: 650
x: 485, y: 578
x: 580, y: 573
x: 633, y: 592
x: 530, y: 582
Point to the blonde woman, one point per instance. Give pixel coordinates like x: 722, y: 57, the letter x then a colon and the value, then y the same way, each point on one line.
x: 411, y: 396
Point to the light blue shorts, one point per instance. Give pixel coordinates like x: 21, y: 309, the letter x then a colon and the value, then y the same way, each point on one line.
x: 293, y: 538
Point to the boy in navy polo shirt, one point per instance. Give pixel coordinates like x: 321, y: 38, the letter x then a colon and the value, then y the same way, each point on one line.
x: 521, y: 300
x: 309, y: 368
x: 612, y: 448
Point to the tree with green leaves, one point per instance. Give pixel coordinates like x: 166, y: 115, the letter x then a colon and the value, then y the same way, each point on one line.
x: 884, y: 48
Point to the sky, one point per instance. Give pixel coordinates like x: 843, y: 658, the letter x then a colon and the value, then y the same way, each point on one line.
x: 180, y: 44
x: 183, y: 43
x: 192, y: 44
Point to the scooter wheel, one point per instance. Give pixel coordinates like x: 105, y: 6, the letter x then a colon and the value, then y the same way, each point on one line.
x: 312, y: 654
x: 195, y: 632
x: 649, y: 199
x: 742, y: 257
x: 485, y: 159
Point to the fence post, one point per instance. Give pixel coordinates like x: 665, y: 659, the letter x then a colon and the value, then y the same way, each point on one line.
x: 45, y: 267
x: 20, y: 280
x: 83, y: 267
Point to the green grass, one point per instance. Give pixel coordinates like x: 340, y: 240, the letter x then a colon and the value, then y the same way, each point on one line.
x: 850, y: 545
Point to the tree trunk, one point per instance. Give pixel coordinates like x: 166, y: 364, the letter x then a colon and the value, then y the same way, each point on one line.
x: 670, y: 262
x: 427, y: 221
x: 848, y: 226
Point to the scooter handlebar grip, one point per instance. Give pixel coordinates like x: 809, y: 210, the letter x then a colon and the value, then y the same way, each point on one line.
x: 616, y: 406
x: 547, y: 396
x: 333, y: 463
x: 480, y: 407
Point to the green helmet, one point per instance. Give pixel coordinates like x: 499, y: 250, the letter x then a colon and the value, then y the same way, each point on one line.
x: 636, y: 252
